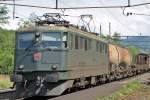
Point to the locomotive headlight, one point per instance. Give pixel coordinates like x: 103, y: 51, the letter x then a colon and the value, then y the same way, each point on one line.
x: 54, y: 67
x: 37, y: 36
x: 36, y: 39
x: 21, y: 67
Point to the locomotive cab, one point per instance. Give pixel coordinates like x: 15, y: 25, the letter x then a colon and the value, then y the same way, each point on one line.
x: 53, y: 57
x: 39, y: 58
x: 39, y: 51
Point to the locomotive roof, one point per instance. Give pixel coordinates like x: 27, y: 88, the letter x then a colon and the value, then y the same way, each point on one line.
x: 62, y: 29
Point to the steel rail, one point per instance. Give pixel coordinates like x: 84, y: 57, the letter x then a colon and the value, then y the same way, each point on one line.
x: 8, y: 94
x: 92, y: 7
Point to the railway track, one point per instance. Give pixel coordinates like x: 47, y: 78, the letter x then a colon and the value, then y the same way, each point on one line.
x: 68, y: 95
x: 102, y: 90
x: 7, y: 94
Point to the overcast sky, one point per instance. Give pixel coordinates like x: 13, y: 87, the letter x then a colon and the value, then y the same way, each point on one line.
x: 132, y: 25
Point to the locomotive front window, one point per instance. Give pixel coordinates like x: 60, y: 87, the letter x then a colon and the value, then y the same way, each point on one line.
x: 51, y: 39
x: 25, y: 39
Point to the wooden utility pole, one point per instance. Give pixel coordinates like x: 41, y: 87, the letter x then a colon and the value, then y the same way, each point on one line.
x: 140, y: 34
x: 14, y: 8
x: 100, y: 29
x: 56, y: 4
x: 129, y: 3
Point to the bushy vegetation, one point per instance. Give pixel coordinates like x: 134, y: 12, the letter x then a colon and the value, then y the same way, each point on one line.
x: 123, y: 92
x: 113, y: 39
x: 134, y: 50
x: 5, y: 82
x: 7, y: 45
x: 4, y: 15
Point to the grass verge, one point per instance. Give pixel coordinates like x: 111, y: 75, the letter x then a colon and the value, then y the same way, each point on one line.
x: 5, y: 82
x: 124, y: 92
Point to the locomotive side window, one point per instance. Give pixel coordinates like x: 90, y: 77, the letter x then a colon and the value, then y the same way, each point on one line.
x: 100, y: 47
x: 51, y: 39
x: 97, y: 46
x: 106, y: 48
x: 86, y: 45
x: 76, y: 42
x: 82, y: 43
x: 103, y: 47
x: 89, y: 44
x: 25, y: 40
x: 65, y: 40
x: 71, y: 41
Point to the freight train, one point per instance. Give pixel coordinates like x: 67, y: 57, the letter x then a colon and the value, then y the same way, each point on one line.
x: 55, y: 56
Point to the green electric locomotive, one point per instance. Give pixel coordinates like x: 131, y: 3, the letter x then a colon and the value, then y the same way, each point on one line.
x: 54, y: 56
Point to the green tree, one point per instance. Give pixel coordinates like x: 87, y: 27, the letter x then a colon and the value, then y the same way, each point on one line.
x: 103, y: 36
x: 24, y: 23
x: 7, y: 45
x: 114, y: 39
x: 33, y: 17
x: 116, y: 36
x: 4, y: 15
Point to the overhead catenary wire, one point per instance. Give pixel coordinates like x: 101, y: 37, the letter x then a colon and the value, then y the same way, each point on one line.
x: 117, y: 20
x: 57, y: 7
x: 83, y: 21
x: 146, y: 6
x: 140, y: 4
x: 22, y: 5
x: 94, y: 7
